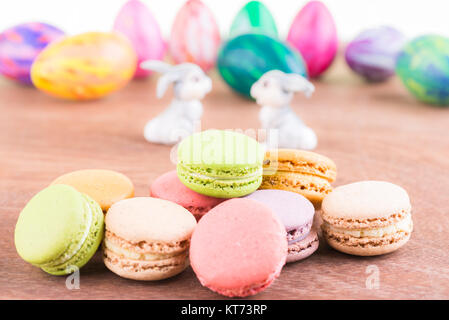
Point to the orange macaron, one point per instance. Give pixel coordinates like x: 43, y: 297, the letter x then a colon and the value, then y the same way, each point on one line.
x: 104, y: 186
x: 307, y: 173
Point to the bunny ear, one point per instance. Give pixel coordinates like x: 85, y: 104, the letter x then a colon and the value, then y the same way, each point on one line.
x: 164, y: 82
x: 156, y: 65
x: 294, y: 82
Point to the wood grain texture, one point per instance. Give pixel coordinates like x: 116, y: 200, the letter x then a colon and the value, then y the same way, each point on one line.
x: 371, y: 131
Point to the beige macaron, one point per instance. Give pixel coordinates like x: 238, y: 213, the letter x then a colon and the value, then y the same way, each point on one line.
x: 147, y: 238
x: 104, y: 186
x: 367, y: 218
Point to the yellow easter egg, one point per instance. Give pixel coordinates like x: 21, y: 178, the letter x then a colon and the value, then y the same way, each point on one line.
x: 86, y: 66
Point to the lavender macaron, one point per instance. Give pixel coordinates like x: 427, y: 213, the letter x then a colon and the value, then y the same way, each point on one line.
x: 296, y: 213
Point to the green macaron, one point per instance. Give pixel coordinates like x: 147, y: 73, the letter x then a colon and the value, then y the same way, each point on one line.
x: 59, y: 230
x: 222, y: 164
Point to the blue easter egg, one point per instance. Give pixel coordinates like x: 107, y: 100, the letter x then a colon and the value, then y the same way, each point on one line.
x: 20, y: 45
x: 245, y: 58
x: 423, y: 66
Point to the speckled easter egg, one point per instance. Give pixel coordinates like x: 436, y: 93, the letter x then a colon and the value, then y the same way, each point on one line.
x: 254, y: 17
x: 137, y: 23
x: 245, y: 58
x: 20, y: 45
x: 86, y: 66
x: 423, y: 66
x: 195, y: 36
x: 372, y: 54
x: 314, y: 34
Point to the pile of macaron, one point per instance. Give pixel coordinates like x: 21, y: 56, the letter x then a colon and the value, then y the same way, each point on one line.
x: 236, y: 213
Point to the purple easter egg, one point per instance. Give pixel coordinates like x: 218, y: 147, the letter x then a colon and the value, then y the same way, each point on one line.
x: 136, y: 22
x: 372, y: 54
x: 20, y: 45
x: 314, y: 34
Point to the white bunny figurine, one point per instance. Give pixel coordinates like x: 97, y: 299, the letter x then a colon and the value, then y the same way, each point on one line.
x: 178, y: 120
x: 274, y: 92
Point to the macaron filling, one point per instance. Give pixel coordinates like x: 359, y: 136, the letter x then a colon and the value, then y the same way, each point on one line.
x: 293, y: 180
x: 298, y: 248
x: 404, y: 225
x: 143, y: 250
x: 215, y: 185
x: 160, y: 269
x: 229, y: 175
x: 303, y: 167
x: 146, y: 246
x: 144, y: 255
x: 298, y: 234
x: 237, y: 172
x: 218, y: 182
x: 134, y: 255
x: 301, y: 246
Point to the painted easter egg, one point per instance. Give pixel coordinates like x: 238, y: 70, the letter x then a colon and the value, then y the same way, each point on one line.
x: 245, y: 58
x: 314, y: 34
x: 137, y: 23
x: 423, y: 66
x: 86, y: 66
x: 372, y: 54
x: 254, y: 17
x: 20, y: 45
x: 195, y: 36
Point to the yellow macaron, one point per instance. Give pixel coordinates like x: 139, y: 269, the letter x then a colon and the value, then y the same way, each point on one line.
x: 104, y: 186
x: 307, y: 173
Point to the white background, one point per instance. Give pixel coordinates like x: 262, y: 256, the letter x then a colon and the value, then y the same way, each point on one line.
x: 413, y: 17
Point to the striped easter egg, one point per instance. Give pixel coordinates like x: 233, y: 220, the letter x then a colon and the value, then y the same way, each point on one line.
x: 195, y: 36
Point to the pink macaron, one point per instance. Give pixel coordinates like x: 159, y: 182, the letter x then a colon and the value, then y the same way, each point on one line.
x: 238, y: 248
x: 296, y: 213
x: 169, y: 187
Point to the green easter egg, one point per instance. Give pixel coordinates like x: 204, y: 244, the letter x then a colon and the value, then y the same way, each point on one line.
x: 245, y: 58
x: 423, y: 66
x: 254, y: 17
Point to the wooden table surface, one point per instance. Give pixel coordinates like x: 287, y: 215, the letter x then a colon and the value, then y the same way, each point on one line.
x: 375, y: 131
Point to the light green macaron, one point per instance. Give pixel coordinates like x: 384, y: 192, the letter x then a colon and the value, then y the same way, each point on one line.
x: 59, y: 230
x: 222, y: 164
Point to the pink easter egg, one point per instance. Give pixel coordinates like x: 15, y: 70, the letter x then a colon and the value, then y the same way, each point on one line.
x: 314, y: 34
x: 195, y: 36
x: 137, y: 23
